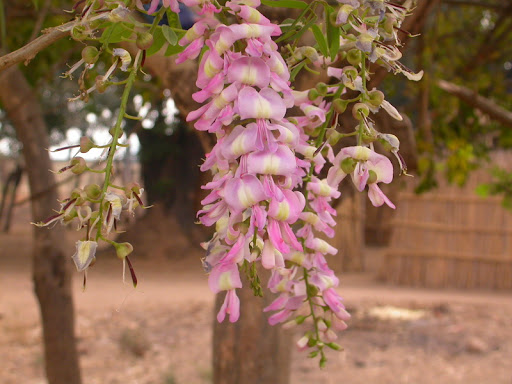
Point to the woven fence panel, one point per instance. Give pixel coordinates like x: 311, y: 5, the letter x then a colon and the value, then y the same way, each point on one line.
x: 451, y: 238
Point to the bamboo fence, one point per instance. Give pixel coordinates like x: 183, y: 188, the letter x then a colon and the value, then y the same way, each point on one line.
x: 451, y: 238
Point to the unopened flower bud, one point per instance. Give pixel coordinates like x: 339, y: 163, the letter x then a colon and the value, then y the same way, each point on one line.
x: 313, y: 94
x: 359, y: 110
x: 322, y: 88
x: 375, y: 98
x: 90, y: 54
x: 339, y: 105
x: 93, y: 191
x: 123, y: 249
x: 86, y: 144
x: 354, y: 57
x: 78, y: 165
x: 144, y: 40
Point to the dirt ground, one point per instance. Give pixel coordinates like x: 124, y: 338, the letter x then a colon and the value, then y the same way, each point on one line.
x: 160, y: 333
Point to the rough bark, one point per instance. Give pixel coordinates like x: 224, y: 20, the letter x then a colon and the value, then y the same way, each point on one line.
x: 250, y: 351
x: 51, y: 264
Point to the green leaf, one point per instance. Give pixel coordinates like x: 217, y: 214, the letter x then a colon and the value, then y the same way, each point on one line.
x: 173, y: 50
x: 173, y: 20
x: 333, y: 34
x: 285, y: 4
x: 158, y: 42
x: 320, y: 39
x: 115, y: 33
x: 296, y: 70
x: 169, y: 35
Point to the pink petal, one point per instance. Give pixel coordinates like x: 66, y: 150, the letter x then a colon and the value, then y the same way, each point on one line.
x: 282, y: 162
x: 249, y: 71
x: 244, y: 192
x: 267, y: 104
x: 377, y: 197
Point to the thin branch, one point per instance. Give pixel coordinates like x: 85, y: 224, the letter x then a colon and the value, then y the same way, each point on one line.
x: 473, y: 99
x: 29, y: 51
x: 40, y: 20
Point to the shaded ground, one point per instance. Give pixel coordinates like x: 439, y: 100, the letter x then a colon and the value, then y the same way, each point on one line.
x: 160, y: 333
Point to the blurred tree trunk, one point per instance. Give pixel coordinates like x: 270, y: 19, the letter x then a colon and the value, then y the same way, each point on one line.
x: 250, y: 351
x: 51, y: 261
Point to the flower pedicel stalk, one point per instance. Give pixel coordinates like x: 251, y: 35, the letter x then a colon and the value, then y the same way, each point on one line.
x: 275, y: 175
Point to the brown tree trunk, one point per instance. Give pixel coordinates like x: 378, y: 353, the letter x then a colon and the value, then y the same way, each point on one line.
x: 51, y: 265
x: 250, y: 351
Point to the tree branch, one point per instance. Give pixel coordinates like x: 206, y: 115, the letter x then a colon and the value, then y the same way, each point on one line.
x: 472, y: 98
x: 29, y: 51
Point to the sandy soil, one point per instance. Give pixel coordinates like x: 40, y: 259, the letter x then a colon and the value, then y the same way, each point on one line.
x: 160, y: 333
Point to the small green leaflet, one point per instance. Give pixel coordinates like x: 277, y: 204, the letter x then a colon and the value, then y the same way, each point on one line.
x: 285, y: 4
x: 333, y: 34
x: 320, y: 39
x: 158, y: 42
x: 173, y: 20
x: 169, y: 35
x: 115, y: 33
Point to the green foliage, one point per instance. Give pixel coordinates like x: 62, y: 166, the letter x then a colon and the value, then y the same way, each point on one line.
x: 467, y: 45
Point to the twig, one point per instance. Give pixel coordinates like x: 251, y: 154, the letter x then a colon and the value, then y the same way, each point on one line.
x: 472, y: 98
x: 29, y: 51
x: 40, y: 20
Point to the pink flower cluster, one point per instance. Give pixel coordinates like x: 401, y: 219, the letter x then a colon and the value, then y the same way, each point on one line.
x: 259, y: 163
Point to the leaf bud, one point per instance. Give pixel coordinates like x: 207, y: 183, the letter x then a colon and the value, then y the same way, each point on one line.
x: 78, y: 165
x: 90, y: 54
x: 86, y: 144
x: 144, y: 40
x: 322, y: 88
x: 354, y: 57
x: 359, y: 110
x: 93, y: 191
x: 339, y: 105
x: 122, y: 249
